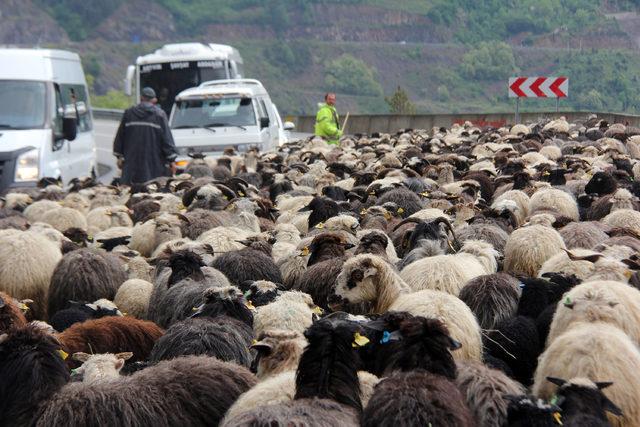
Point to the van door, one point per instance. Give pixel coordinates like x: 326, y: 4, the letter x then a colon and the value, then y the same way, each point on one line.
x: 265, y: 133
x: 274, y: 134
x: 81, y: 154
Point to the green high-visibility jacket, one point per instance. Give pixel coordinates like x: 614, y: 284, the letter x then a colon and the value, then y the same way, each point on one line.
x: 327, y: 125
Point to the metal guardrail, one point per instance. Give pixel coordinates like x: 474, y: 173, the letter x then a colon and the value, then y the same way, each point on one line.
x: 389, y: 123
x: 107, y: 114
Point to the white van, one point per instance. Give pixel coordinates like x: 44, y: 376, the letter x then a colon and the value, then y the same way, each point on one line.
x: 223, y: 114
x: 46, y: 127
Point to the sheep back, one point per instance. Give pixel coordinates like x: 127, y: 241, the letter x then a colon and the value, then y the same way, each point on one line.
x: 529, y: 247
x: 133, y: 296
x: 492, y: 298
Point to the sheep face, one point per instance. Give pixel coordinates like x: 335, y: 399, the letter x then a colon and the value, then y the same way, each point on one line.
x: 100, y: 367
x: 355, y: 283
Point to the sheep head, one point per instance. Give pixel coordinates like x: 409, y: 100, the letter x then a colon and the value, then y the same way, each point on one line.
x: 582, y: 395
x: 277, y: 351
x: 99, y: 367
x: 357, y: 282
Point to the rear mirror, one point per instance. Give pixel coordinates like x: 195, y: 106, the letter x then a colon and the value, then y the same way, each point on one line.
x: 264, y: 122
x: 289, y: 126
x: 128, y: 80
x: 69, y: 128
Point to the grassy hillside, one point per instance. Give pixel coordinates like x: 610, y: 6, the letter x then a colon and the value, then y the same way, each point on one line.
x: 449, y: 55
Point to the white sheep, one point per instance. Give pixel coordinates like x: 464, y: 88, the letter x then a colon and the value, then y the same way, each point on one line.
x: 624, y: 218
x: 370, y: 278
x: 133, y: 297
x: 449, y: 273
x: 147, y: 236
x: 100, y: 219
x: 558, y: 201
x: 292, y: 311
x: 529, y: 247
x: 63, y: 219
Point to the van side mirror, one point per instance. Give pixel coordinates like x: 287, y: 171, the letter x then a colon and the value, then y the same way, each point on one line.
x: 289, y: 126
x: 264, y: 122
x: 128, y: 80
x: 69, y: 128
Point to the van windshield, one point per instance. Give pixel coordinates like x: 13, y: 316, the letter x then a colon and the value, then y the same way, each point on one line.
x: 22, y: 104
x: 218, y: 112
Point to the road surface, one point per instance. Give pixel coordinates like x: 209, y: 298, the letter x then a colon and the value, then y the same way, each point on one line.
x: 105, y: 131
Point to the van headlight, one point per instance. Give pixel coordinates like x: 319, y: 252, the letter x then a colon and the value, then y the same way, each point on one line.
x: 27, y: 168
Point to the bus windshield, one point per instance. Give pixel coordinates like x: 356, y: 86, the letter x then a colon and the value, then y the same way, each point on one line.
x: 22, y: 104
x: 218, y: 112
x: 171, y: 78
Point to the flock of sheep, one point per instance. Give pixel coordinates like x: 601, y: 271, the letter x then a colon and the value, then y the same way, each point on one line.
x: 444, y: 277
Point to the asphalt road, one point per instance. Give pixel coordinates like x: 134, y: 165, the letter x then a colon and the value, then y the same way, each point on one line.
x: 105, y: 131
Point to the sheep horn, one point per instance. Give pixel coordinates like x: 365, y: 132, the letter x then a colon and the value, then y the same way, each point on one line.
x: 557, y: 381
x: 407, y: 221
x: 590, y: 258
x: 446, y: 222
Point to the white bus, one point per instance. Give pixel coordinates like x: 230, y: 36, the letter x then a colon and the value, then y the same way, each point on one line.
x: 46, y: 127
x: 176, y: 67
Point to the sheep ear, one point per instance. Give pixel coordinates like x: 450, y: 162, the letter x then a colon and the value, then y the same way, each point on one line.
x: 611, y: 407
x: 183, y: 218
x: 557, y: 381
x: 81, y: 357
x: 262, y: 347
x: 3, y: 338
x: 119, y: 364
x: 124, y: 356
x: 189, y: 195
x: 603, y: 384
x: 633, y: 265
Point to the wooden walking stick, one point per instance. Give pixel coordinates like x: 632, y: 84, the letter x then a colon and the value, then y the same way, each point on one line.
x: 344, y: 124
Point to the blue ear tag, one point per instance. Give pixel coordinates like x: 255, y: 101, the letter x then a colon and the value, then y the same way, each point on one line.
x: 521, y: 285
x: 386, y: 336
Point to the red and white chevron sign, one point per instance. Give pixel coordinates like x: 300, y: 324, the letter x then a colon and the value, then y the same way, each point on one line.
x: 538, y: 87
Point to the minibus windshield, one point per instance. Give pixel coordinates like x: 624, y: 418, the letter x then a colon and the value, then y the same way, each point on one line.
x: 22, y: 104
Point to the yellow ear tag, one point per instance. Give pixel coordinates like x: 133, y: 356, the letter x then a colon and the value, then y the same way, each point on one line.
x: 63, y: 354
x: 628, y: 274
x: 240, y: 193
x: 254, y: 342
x: 249, y: 305
x: 558, y: 417
x: 359, y: 340
x: 546, y: 173
x: 387, y: 216
x: 23, y: 306
x: 363, y: 212
x: 424, y: 194
x: 194, y: 309
x: 320, y: 225
x: 181, y: 207
x: 318, y: 310
x: 225, y: 197
x: 372, y: 193
x: 305, y: 251
x: 400, y: 211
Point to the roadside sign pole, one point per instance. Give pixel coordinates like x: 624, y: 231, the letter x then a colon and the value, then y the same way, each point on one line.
x: 557, y: 104
x: 517, y: 111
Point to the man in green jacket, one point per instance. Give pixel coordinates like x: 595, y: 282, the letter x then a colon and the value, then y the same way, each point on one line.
x: 327, y: 125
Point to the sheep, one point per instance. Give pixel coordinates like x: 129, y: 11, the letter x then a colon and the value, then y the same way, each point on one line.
x: 133, y: 297
x: 35, y: 211
x: 416, y: 398
x: 20, y: 276
x: 529, y: 247
x: 134, y: 264
x: 100, y: 219
x: 84, y: 275
x: 76, y: 201
x: 225, y: 301
x: 527, y: 411
x: 11, y: 313
x: 485, y: 390
x: 179, y: 288
x: 555, y: 200
x: 251, y: 263
x: 585, y: 264
x: 260, y: 292
x: 79, y: 312
x: 277, y: 351
x: 292, y: 311
x: 624, y: 218
x: 64, y: 218
x: 449, y: 273
x: 99, y: 367
x: 599, y: 301
x: 194, y: 390
x: 374, y: 242
x: 225, y: 338
x: 109, y: 335
x: 146, y: 237
x: 32, y: 368
x: 489, y: 233
x: 16, y: 201
x: 600, y: 352
x: 224, y: 239
x: 369, y: 278
x: 516, y: 201
x: 493, y: 298
x: 201, y: 220
x: 281, y: 388
x: 583, y: 235
x: 583, y: 402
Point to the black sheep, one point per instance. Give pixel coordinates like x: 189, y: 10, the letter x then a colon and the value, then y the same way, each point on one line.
x: 321, y: 209
x: 403, y: 197
x: 224, y: 301
x: 583, y: 403
x: 601, y: 183
x: 79, y: 312
x: 251, y: 263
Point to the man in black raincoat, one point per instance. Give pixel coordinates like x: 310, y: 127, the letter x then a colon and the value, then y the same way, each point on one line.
x: 144, y: 145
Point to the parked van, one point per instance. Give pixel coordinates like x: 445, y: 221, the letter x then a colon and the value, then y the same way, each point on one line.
x: 46, y: 127
x: 223, y: 114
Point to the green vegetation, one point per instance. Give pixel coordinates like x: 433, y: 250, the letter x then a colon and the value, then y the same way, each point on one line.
x: 351, y: 76
x: 489, y: 61
x: 399, y: 102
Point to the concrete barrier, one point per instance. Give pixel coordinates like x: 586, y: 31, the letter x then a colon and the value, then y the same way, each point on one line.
x: 388, y: 123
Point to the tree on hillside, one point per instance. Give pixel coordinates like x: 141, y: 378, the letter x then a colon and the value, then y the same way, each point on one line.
x: 399, y: 102
x: 352, y: 76
x: 489, y: 61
